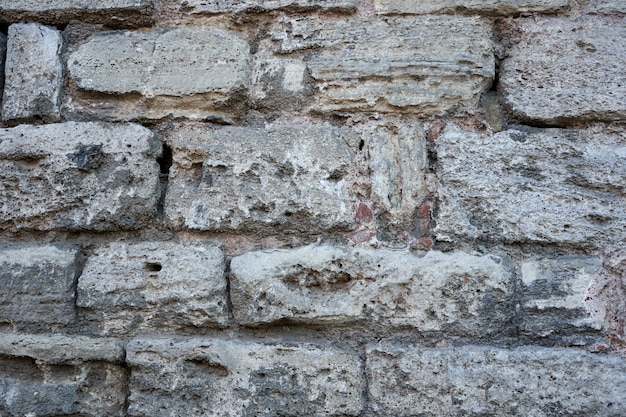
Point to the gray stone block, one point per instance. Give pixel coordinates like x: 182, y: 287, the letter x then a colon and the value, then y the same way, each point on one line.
x: 78, y: 176
x: 37, y: 285
x: 559, y: 72
x: 500, y: 7
x: 249, y: 178
x: 33, y: 73
x: 426, y: 65
x: 3, y: 52
x: 456, y: 292
x: 532, y: 185
x: 194, y: 72
x: 236, y: 6
x: 608, y: 7
x: 234, y: 378
x: 155, y: 286
x: 481, y: 381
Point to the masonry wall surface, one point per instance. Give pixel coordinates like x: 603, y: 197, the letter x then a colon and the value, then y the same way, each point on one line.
x: 312, y: 208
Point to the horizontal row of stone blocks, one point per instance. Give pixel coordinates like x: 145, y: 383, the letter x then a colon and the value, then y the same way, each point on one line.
x: 223, y: 377
x: 427, y: 65
x: 136, y: 288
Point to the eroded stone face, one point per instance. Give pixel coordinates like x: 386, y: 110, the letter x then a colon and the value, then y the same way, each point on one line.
x: 248, y: 178
x: 607, y: 7
x: 236, y: 378
x: 155, y: 286
x: 78, y: 176
x: 453, y: 292
x: 222, y: 6
x: 501, y: 7
x: 538, y: 185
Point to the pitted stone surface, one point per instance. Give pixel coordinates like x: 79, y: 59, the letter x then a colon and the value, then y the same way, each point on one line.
x: 236, y: 378
x: 453, y: 292
x: 607, y: 7
x: 472, y: 380
x: 246, y: 178
x: 153, y: 286
x: 532, y: 185
x: 415, y: 65
x: 190, y: 71
x: 37, y: 285
x: 221, y: 6
x: 498, y: 7
x: 559, y: 72
x: 3, y: 51
x: 33, y: 73
x: 78, y: 176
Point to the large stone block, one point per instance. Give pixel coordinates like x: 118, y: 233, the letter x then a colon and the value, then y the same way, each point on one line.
x: 500, y: 7
x: 426, y: 65
x: 33, y: 72
x: 37, y: 286
x: 221, y: 6
x: 559, y: 72
x: 194, y: 72
x: 78, y: 176
x: 126, y: 13
x: 485, y: 381
x: 245, y: 178
x: 532, y: 185
x: 453, y: 292
x: 155, y: 286
x: 215, y: 377
x: 60, y: 375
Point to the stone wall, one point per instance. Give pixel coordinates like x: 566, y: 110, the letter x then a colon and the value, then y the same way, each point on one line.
x: 313, y: 208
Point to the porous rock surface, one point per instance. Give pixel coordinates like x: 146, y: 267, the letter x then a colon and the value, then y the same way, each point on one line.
x: 501, y: 7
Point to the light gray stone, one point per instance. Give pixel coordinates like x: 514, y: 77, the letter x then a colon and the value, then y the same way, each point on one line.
x: 127, y: 13
x: 194, y: 72
x: 453, y: 292
x: 531, y: 185
x: 486, y: 381
x: 33, y: 73
x: 155, y: 286
x: 608, y: 7
x: 559, y: 72
x: 216, y: 377
x: 415, y: 65
x: 61, y: 375
x: 236, y: 6
x: 490, y: 7
x: 37, y: 285
x: 78, y: 176
x: 245, y: 178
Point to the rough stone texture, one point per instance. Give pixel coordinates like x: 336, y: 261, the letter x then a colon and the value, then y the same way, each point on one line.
x: 485, y: 381
x: 245, y: 178
x: 608, y: 7
x: 559, y: 71
x: 156, y: 286
x: 553, y: 294
x: 194, y: 72
x: 491, y: 7
x: 531, y: 185
x: 234, y: 378
x: 454, y: 292
x: 37, y: 285
x: 78, y: 176
x: 221, y: 6
x: 416, y: 65
x: 58, y: 375
x: 33, y: 73
x: 110, y: 12
x: 3, y: 51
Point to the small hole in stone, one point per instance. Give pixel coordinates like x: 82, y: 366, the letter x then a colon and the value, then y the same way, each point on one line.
x: 153, y: 267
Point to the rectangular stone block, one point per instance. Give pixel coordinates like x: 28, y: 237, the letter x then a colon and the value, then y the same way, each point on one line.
x: 456, y: 292
x: 60, y: 375
x: 78, y: 176
x: 533, y: 186
x: 237, y: 6
x: 498, y: 7
x: 194, y: 72
x: 37, y: 285
x: 425, y: 65
x: 117, y: 13
x: 241, y: 178
x: 215, y: 377
x: 154, y: 286
x: 488, y: 381
x: 559, y: 73
x: 33, y: 73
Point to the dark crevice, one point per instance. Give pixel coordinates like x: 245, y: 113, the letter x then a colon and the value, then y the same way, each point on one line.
x: 165, y: 162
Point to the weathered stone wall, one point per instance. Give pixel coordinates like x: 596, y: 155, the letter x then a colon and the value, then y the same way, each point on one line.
x: 312, y: 208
